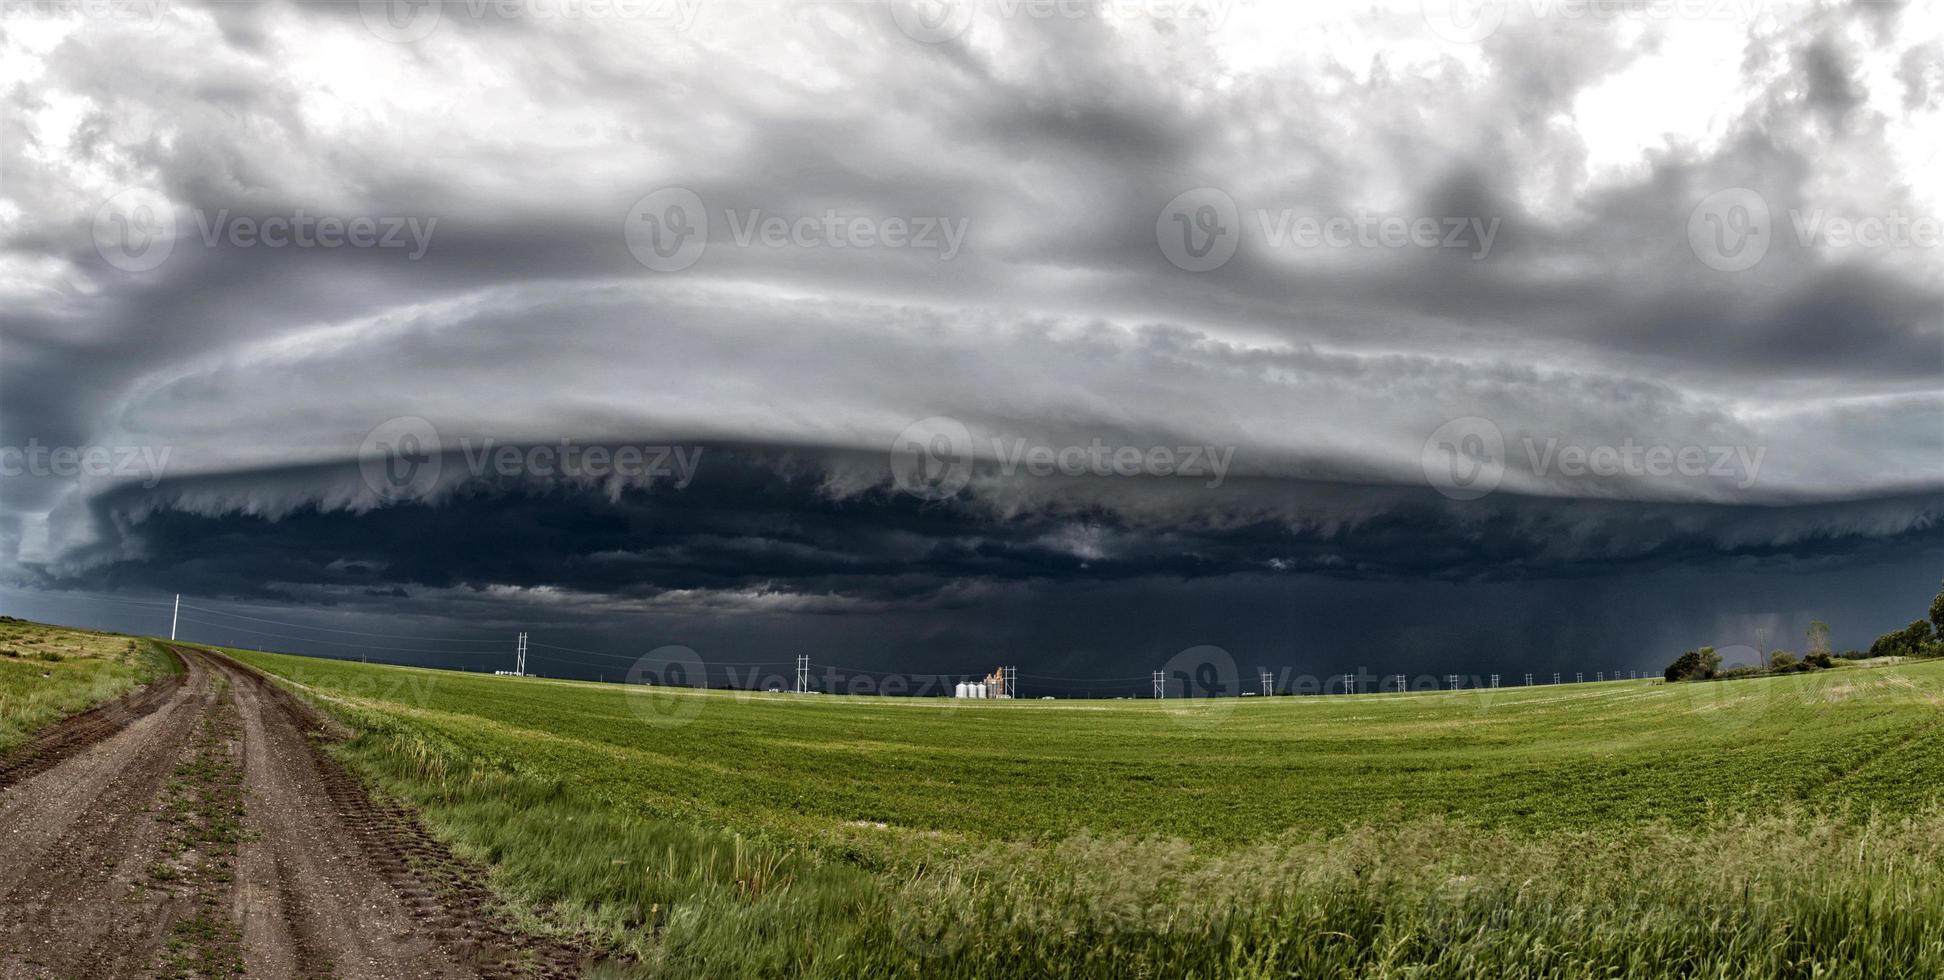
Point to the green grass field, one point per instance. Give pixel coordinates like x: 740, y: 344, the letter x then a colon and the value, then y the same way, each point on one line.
x: 49, y: 672
x: 1768, y: 827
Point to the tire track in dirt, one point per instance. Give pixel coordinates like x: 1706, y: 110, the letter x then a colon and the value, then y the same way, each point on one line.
x: 81, y: 841
x: 214, y: 833
x: 59, y: 742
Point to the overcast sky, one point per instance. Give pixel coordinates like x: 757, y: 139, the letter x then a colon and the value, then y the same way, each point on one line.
x: 1512, y: 336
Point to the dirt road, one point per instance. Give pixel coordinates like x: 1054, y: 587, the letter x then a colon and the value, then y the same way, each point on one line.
x: 198, y: 829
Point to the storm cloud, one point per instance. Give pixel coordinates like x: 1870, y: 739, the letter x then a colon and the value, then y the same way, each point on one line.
x: 897, y: 330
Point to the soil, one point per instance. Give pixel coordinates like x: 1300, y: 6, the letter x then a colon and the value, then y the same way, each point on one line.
x: 199, y: 828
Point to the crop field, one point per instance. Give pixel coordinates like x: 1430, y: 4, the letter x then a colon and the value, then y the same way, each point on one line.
x: 48, y: 672
x: 1779, y: 826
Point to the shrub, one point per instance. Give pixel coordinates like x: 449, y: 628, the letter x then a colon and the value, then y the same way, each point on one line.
x: 1820, y: 660
x: 1782, y: 660
x: 1693, y: 665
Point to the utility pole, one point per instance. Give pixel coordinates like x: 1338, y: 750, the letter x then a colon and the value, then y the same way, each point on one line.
x: 1401, y: 688
x: 1010, y: 675
x: 1495, y: 680
x: 519, y: 657
x: 1268, y: 683
x: 1160, y: 684
x: 1349, y: 684
x: 1528, y: 682
x: 1453, y: 678
x: 803, y: 674
x: 175, y: 616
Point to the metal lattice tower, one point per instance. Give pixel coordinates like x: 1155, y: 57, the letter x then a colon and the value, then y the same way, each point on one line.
x: 519, y: 657
x: 803, y: 674
x: 1160, y: 684
x: 1453, y: 678
x: 1579, y: 678
x: 1009, y: 678
x: 1528, y: 682
x: 1400, y: 683
x: 1268, y: 683
x: 1494, y: 680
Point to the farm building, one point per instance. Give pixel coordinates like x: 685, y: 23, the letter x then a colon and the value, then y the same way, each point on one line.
x: 993, y: 685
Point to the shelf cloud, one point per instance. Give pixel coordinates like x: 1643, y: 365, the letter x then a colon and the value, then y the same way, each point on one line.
x: 730, y: 318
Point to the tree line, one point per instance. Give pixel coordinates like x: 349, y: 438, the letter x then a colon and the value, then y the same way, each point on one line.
x: 1922, y: 638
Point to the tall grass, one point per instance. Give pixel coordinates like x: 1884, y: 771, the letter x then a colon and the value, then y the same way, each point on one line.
x: 1789, y: 893
x: 47, y: 673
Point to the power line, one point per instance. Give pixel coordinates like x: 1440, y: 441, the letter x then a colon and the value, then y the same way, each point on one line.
x: 623, y: 656
x: 357, y: 644
x: 328, y: 629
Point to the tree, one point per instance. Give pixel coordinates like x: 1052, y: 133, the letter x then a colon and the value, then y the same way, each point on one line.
x: 1937, y: 612
x: 1693, y: 665
x: 1819, y: 634
x: 1782, y: 660
x: 1911, y: 641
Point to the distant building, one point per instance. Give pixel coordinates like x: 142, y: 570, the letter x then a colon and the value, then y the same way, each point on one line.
x: 992, y: 686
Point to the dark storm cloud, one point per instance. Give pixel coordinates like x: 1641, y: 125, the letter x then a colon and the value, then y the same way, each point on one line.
x: 1593, y: 319
x: 766, y: 520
